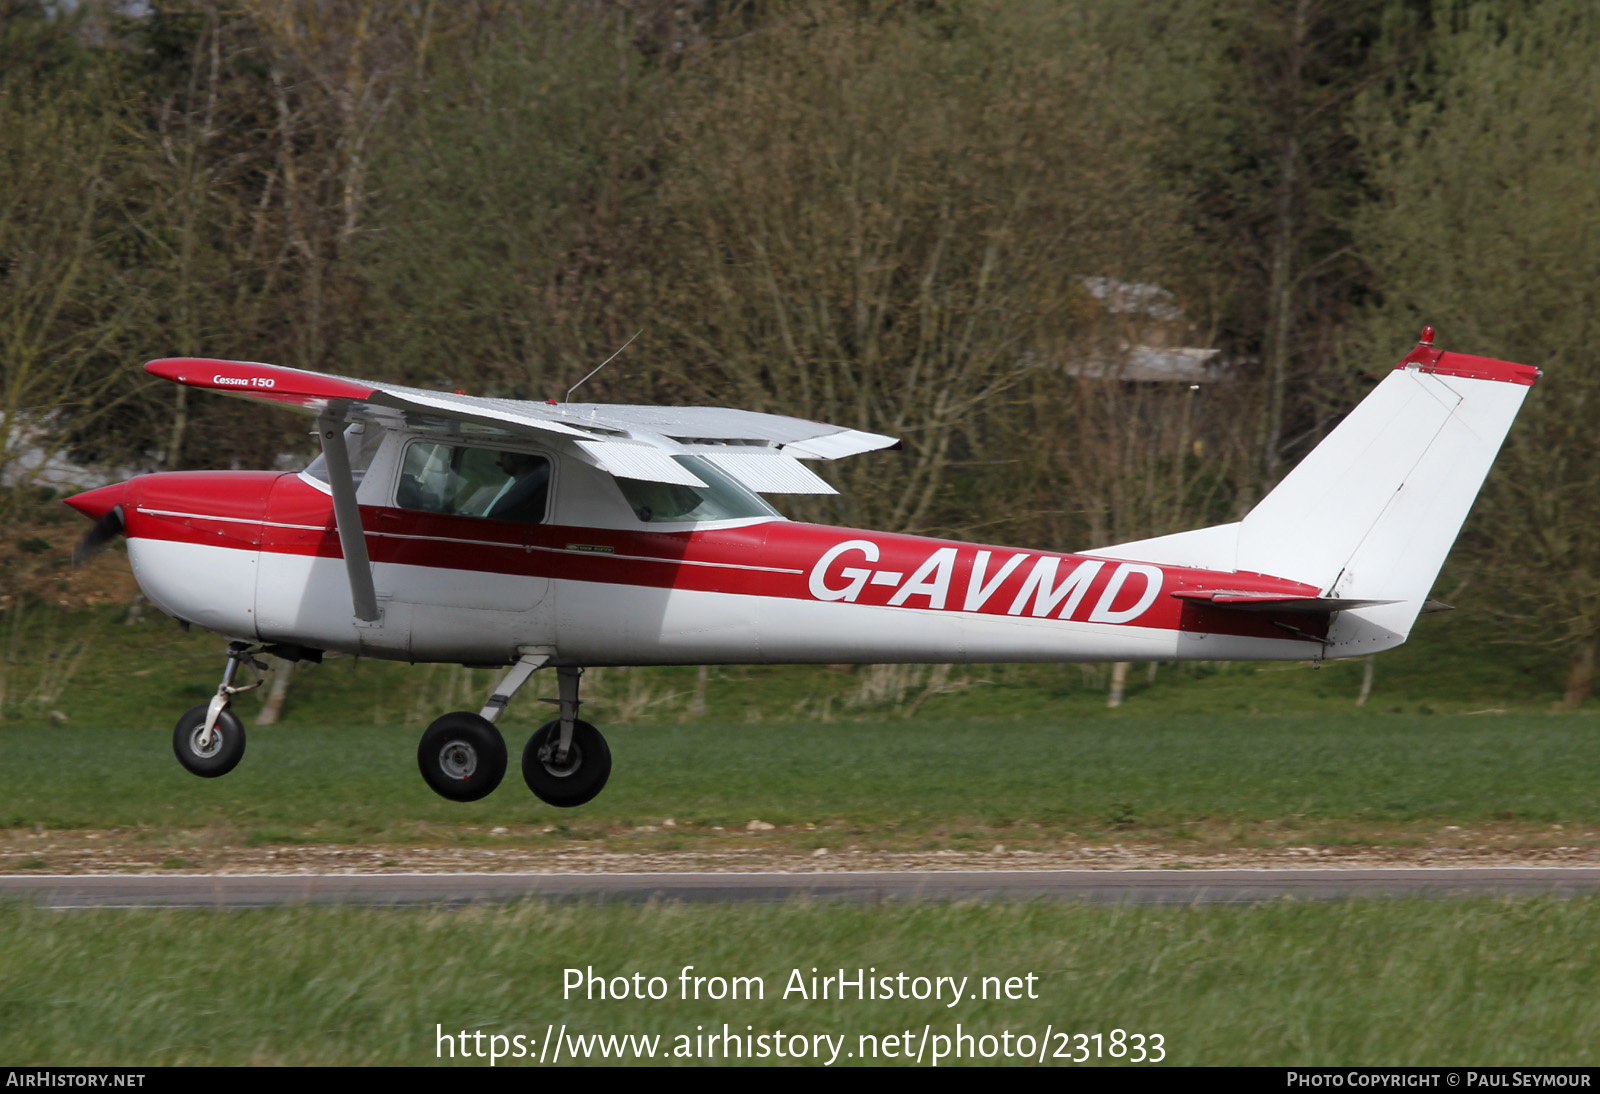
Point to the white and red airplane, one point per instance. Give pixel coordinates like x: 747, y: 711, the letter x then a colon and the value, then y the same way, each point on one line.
x: 446, y: 528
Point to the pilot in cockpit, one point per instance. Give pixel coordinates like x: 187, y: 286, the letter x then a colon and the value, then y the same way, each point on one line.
x: 522, y: 497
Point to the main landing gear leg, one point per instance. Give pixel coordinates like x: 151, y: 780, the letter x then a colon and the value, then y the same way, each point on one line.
x: 567, y: 681
x: 504, y: 691
x: 567, y: 761
x: 209, y: 739
x: 462, y: 755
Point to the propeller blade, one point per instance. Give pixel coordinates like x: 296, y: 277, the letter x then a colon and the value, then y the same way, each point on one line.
x: 105, y: 529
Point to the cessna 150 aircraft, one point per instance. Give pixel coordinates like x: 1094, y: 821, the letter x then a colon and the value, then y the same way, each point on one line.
x: 447, y: 528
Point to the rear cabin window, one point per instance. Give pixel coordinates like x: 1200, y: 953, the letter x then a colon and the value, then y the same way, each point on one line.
x: 461, y: 481
x: 722, y: 498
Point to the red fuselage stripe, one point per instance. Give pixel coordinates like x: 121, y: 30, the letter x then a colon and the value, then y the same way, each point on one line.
x: 782, y: 559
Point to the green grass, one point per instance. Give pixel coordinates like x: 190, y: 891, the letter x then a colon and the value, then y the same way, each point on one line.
x: 1390, y: 982
x: 876, y: 757
x: 1200, y: 757
x: 1300, y: 778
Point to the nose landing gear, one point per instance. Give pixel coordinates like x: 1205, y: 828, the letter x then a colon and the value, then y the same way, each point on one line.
x: 211, y: 752
x: 209, y: 739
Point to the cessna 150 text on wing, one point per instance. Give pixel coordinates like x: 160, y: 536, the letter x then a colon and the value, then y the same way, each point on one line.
x: 440, y: 527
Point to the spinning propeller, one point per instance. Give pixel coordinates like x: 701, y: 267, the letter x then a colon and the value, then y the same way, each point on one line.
x: 101, y: 533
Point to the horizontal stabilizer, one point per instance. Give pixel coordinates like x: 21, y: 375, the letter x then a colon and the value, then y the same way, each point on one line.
x: 1246, y: 601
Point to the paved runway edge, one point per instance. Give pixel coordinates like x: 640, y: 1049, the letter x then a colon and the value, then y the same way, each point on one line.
x: 1129, y: 886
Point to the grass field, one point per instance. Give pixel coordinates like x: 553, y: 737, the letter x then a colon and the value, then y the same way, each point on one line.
x: 1458, y: 748
x: 1400, y: 982
x: 1186, y: 782
x: 912, y: 757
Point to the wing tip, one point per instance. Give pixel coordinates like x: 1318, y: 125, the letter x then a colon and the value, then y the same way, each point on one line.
x: 255, y: 379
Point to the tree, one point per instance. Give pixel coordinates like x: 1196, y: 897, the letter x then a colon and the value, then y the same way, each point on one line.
x: 883, y: 216
x: 1277, y: 178
x: 192, y: 206
x: 1489, y: 227
x: 62, y: 301
x: 508, y: 255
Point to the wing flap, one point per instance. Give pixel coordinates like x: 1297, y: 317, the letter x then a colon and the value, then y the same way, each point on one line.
x: 765, y: 470
x: 834, y: 446
x: 637, y: 461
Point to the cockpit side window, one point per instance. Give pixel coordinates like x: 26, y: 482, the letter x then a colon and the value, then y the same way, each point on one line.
x: 462, y: 481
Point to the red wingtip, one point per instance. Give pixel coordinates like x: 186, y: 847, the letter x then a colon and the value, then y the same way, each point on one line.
x: 310, y: 391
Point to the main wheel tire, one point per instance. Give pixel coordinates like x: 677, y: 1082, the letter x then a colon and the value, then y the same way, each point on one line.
x: 575, y: 782
x: 462, y: 756
x: 227, y: 742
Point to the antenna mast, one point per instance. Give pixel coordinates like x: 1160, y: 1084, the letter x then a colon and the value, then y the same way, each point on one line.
x: 601, y: 365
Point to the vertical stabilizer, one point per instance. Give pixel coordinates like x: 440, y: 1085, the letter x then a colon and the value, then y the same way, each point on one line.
x: 1371, y: 513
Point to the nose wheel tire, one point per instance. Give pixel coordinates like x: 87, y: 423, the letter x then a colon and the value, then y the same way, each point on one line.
x: 569, y: 782
x: 462, y: 756
x: 221, y: 755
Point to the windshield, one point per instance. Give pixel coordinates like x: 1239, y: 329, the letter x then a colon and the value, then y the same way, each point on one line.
x: 361, y: 439
x: 722, y: 497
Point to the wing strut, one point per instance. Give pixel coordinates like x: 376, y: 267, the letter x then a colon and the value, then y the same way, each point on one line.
x: 347, y: 517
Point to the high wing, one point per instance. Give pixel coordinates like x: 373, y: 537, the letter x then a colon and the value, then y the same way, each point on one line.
x: 635, y: 442
x: 763, y: 451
